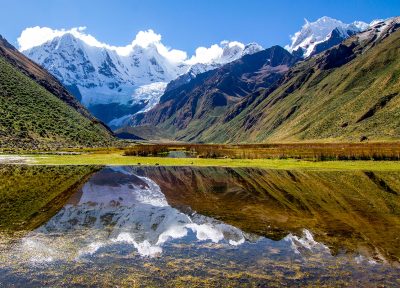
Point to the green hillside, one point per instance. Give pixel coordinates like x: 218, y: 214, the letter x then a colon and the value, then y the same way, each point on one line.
x: 31, y: 117
x: 188, y: 110
x: 349, y: 93
x: 357, y: 101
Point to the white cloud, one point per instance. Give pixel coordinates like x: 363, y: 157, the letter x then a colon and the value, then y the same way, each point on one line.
x: 206, y: 55
x: 35, y: 36
x: 172, y: 55
x: 214, y: 52
x: 235, y: 43
x: 145, y: 38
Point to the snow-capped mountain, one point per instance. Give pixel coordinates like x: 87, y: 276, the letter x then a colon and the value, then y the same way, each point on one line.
x: 234, y: 50
x: 230, y: 53
x: 322, y: 34
x: 101, y: 75
x: 114, y: 85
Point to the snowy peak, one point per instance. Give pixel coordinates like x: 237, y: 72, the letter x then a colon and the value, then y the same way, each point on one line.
x: 252, y: 48
x: 141, y: 65
x: 101, y: 74
x: 379, y: 30
x: 232, y: 51
x: 323, y: 30
x: 74, y: 62
x: 127, y: 79
x: 362, y: 25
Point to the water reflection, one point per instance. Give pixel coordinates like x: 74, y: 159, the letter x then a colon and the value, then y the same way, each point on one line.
x: 210, y: 223
x: 353, y: 211
x: 117, y: 206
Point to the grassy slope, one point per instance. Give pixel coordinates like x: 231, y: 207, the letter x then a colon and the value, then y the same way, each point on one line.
x: 30, y: 195
x: 32, y: 117
x: 325, y: 102
x: 183, y: 113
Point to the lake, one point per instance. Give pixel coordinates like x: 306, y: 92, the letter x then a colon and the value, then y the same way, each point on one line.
x: 134, y: 226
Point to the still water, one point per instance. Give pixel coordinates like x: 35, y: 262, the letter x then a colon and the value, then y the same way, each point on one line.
x: 186, y: 226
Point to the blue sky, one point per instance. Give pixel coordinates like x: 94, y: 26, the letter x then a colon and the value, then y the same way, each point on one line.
x: 187, y: 24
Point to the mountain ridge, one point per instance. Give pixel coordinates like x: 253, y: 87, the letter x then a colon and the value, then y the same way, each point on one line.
x: 36, y: 110
x: 322, y: 34
x: 209, y: 94
x: 278, y: 113
x: 347, y: 75
x: 105, y: 81
x: 115, y: 83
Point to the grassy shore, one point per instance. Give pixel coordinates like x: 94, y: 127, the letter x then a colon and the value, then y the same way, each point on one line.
x: 306, y: 151
x: 117, y: 158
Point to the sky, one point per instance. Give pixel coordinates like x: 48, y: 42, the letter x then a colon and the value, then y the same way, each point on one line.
x: 186, y: 24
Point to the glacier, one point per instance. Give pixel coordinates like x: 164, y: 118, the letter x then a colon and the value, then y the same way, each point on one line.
x: 132, y: 78
x: 311, y: 34
x: 115, y: 83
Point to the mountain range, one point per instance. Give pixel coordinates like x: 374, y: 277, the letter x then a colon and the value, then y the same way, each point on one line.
x: 113, y: 84
x: 315, y: 37
x: 346, y: 93
x: 334, y: 82
x: 198, y: 104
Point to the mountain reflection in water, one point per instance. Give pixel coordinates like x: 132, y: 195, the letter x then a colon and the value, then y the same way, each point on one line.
x: 250, y: 220
x: 117, y: 206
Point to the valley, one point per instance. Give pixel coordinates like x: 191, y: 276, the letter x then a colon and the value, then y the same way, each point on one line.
x: 313, y: 90
x: 315, y: 100
x: 126, y: 161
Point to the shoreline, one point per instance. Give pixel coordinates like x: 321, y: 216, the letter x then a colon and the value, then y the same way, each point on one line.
x: 117, y: 159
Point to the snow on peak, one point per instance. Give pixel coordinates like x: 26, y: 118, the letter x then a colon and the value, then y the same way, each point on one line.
x: 252, y: 48
x: 378, y: 30
x: 313, y: 33
x: 376, y: 21
x: 362, y: 26
x: 225, y: 52
x: 35, y: 36
x: 229, y: 52
x: 105, y: 74
x: 38, y: 36
x: 102, y: 74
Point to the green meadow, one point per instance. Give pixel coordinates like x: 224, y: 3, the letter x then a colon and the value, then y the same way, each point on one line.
x: 118, y: 158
